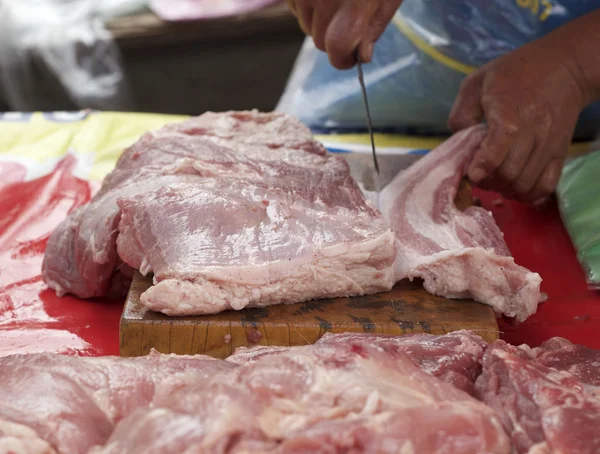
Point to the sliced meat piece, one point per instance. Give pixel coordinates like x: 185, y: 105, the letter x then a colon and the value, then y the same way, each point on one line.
x: 458, y: 254
x: 454, y: 358
x: 374, y: 380
x: 119, y: 385
x: 561, y: 354
x: 543, y: 410
x: 219, y: 243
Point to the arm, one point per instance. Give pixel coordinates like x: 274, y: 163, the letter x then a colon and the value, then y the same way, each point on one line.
x: 531, y: 100
x: 339, y: 27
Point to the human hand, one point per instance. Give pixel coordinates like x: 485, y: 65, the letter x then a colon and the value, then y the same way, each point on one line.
x: 531, y: 100
x: 339, y: 27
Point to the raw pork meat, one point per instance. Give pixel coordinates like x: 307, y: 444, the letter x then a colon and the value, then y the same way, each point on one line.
x: 560, y: 354
x: 543, y: 409
x: 244, y: 209
x: 20, y: 439
x: 73, y: 403
x: 454, y: 358
x: 331, y: 397
x: 457, y: 254
x: 228, y: 211
x: 255, y: 243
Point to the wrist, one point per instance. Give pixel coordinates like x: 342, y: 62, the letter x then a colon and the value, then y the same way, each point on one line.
x: 580, y: 41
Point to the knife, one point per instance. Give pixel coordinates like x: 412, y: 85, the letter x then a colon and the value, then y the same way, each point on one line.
x: 361, y: 80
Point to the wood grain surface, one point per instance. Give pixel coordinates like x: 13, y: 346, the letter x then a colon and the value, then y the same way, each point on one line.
x: 408, y: 308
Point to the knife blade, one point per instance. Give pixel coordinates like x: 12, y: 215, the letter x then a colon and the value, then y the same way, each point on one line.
x: 361, y: 80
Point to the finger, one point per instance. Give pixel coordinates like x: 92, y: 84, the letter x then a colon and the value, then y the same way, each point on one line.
x: 502, y: 137
x: 346, y: 31
x: 501, y: 180
x: 467, y: 109
x: 546, y: 183
x: 305, y: 16
x: 292, y: 6
x: 515, y: 161
x: 320, y: 22
x: 365, y: 50
x: 544, y: 153
x: 379, y: 21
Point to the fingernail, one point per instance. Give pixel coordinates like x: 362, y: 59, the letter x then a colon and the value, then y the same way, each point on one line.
x: 369, y: 52
x: 476, y: 175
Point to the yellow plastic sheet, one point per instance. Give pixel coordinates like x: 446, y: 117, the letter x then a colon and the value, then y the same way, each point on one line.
x: 97, y: 139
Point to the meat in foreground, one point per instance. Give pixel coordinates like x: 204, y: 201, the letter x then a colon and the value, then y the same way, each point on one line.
x: 345, y: 395
x: 349, y: 393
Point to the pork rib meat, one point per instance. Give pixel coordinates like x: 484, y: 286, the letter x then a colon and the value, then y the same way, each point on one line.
x: 458, y: 254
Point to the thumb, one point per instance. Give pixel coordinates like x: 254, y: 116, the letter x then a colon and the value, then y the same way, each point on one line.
x: 467, y: 110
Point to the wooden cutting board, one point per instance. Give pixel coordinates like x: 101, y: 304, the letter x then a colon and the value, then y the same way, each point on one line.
x: 406, y: 309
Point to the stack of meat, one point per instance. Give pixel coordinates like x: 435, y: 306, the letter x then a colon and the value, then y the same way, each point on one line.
x: 245, y: 209
x: 349, y: 393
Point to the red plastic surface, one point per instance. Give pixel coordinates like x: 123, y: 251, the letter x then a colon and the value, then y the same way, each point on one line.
x: 33, y: 318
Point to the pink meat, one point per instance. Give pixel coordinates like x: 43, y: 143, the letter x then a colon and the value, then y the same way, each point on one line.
x: 395, y: 431
x: 454, y: 358
x: 291, y: 220
x: 579, y: 360
x: 543, y: 410
x: 81, y: 254
x: 229, y: 243
x: 273, y: 129
x: 20, y: 439
x: 338, y: 397
x: 457, y: 254
x: 242, y: 209
x: 73, y: 403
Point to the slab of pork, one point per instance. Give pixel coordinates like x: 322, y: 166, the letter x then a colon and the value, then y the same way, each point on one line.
x: 229, y: 243
x: 227, y: 210
x: 458, y: 254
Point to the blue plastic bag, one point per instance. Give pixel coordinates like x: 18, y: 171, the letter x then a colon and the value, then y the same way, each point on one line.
x: 420, y: 61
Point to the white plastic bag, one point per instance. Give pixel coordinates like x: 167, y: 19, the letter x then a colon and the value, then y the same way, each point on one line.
x: 187, y: 10
x: 419, y: 62
x: 53, y: 48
